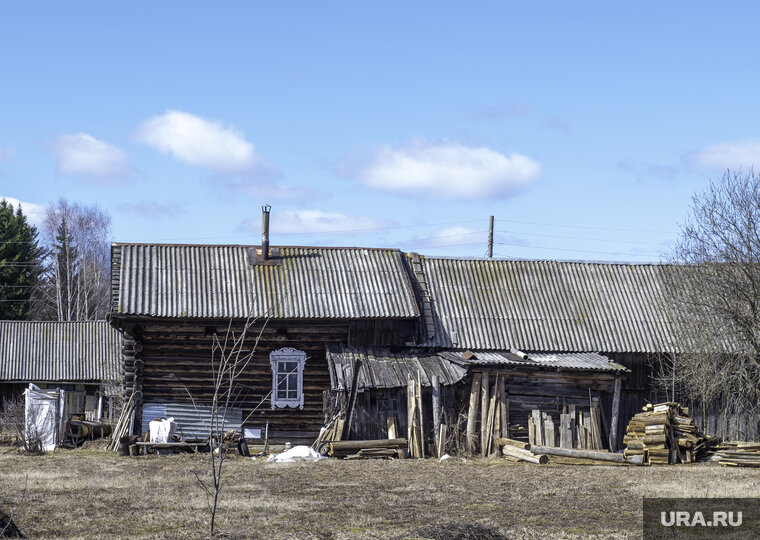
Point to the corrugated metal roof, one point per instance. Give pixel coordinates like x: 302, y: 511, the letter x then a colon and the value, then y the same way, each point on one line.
x: 548, y: 305
x: 381, y: 368
x: 564, y: 361
x: 220, y: 282
x: 59, y: 351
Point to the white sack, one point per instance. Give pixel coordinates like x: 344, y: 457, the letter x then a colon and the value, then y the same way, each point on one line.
x: 297, y: 453
x: 161, y: 431
x: 43, y: 419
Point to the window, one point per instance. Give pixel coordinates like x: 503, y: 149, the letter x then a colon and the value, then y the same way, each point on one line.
x: 287, y: 377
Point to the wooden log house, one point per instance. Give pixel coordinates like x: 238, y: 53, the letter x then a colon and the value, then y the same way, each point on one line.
x: 535, y: 335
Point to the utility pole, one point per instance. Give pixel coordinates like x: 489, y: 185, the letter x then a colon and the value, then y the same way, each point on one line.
x: 490, y: 237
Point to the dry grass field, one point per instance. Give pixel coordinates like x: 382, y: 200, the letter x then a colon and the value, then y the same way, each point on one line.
x: 90, y: 493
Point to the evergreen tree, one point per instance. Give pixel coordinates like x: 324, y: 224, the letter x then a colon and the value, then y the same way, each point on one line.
x: 20, y: 262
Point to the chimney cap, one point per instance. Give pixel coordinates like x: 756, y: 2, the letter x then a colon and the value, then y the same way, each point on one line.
x: 266, y: 208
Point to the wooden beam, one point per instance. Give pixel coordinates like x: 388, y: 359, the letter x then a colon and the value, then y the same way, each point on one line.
x: 615, y: 412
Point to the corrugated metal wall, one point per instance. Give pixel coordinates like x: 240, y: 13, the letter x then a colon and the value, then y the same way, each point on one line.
x: 192, y: 420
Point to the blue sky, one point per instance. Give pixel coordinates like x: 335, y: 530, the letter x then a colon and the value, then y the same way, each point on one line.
x: 583, y: 128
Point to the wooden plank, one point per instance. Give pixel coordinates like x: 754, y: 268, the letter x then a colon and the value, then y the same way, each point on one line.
x: 352, y: 399
x: 596, y: 427
x: 411, y: 404
x: 418, y: 393
x: 505, y: 413
x: 531, y: 431
x: 549, y: 432
x: 473, y: 412
x: 484, y: 401
x: 442, y: 436
x: 565, y: 431
x: 436, y: 412
x: 488, y: 439
x: 537, y: 426
x: 613, y: 438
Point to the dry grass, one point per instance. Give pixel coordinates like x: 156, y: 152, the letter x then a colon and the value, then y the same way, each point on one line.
x: 92, y: 493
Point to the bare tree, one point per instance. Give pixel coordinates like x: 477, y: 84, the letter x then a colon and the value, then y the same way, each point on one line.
x: 76, y: 283
x: 714, y: 293
x: 231, y: 354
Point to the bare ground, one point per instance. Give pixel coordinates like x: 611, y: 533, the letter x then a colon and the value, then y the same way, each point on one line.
x: 90, y: 493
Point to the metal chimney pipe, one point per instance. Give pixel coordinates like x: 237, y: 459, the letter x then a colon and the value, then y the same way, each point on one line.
x: 265, y: 232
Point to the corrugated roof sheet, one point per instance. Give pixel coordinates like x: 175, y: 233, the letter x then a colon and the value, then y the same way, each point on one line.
x: 59, y: 351
x: 564, y: 361
x: 548, y: 305
x: 381, y: 368
x: 220, y: 282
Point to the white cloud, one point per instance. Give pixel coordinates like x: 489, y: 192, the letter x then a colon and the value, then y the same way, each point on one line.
x: 151, y: 209
x: 82, y: 155
x: 731, y: 155
x: 6, y: 154
x: 35, y: 213
x: 314, y: 222
x: 444, y: 169
x: 199, y: 142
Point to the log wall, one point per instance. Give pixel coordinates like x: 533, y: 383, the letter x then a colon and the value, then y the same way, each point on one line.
x: 168, y: 362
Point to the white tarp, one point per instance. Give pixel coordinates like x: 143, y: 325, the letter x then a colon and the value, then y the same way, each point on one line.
x: 161, y: 431
x: 297, y: 453
x: 44, y: 416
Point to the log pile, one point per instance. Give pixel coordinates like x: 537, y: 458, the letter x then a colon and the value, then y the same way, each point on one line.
x: 665, y: 434
x: 738, y: 454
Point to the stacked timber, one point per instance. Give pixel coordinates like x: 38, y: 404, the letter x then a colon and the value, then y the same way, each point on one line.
x: 124, y: 424
x: 379, y: 448
x: 738, y: 454
x: 665, y: 434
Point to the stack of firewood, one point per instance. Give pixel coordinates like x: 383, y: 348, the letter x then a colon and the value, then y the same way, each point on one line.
x: 665, y: 434
x: 738, y: 454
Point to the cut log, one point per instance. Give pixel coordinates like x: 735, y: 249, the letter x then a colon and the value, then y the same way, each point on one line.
x: 502, y: 441
x: 524, y: 455
x: 578, y: 454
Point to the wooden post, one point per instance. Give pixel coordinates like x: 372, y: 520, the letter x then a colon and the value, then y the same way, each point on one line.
x: 472, y: 413
x: 436, y: 412
x: 615, y: 411
x: 484, y: 400
x: 442, y: 439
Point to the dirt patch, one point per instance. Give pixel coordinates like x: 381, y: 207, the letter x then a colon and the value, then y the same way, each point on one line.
x: 88, y: 492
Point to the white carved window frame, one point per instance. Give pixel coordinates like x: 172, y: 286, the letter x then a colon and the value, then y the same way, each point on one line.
x: 277, y: 357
